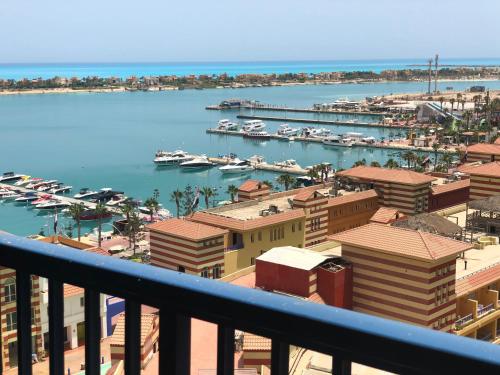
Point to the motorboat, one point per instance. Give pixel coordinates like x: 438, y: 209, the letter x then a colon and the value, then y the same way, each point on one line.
x: 26, y: 182
x: 256, y: 159
x: 261, y: 135
x: 290, y: 163
x: 91, y: 214
x: 117, y: 200
x: 48, y: 186
x: 23, y: 181
x: 52, y: 204
x: 105, y: 195
x: 237, y: 166
x: 85, y: 193
x: 253, y: 125
x: 42, y: 199
x: 60, y: 189
x: 10, y: 196
x: 287, y: 131
x: 337, y: 140
x: 162, y: 213
x: 227, y: 125
x: 27, y: 197
x: 197, y: 163
x: 316, y: 132
x: 369, y: 140
x: 11, y: 177
x: 174, y: 158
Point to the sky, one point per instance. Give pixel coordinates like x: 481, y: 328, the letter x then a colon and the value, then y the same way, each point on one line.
x: 34, y: 31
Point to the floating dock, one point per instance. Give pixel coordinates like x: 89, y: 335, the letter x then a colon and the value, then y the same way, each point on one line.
x: 265, y: 166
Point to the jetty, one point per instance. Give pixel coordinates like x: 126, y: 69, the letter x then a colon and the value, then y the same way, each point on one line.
x: 323, y: 122
x: 264, y: 166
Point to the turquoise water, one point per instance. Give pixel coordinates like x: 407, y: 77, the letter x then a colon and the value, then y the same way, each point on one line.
x: 123, y: 70
x: 109, y: 140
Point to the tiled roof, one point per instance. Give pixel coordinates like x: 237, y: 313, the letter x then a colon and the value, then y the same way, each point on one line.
x: 400, y: 176
x: 187, y: 229
x: 385, y: 215
x: 489, y: 169
x: 147, y: 327
x: 243, y: 225
x: 72, y: 290
x: 252, y: 185
x: 293, y: 257
x: 402, y: 242
x: 338, y: 201
x: 66, y: 241
x: 253, y: 342
x: 484, y: 148
x: 446, y: 188
x: 97, y: 250
x: 304, y: 195
x: 477, y: 280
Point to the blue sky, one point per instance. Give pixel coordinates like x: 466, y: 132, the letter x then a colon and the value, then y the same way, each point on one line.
x: 235, y: 30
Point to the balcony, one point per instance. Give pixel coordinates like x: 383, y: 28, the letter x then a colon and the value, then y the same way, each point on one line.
x: 347, y: 336
x: 236, y: 246
x: 460, y: 323
x: 483, y: 310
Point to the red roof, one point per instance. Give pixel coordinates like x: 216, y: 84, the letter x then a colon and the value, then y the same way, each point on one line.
x: 477, y: 280
x: 401, y: 176
x: 484, y: 148
x: 489, y: 170
x: 252, y: 185
x: 385, y: 215
x: 446, y: 188
x: 344, y: 199
x: 402, y: 242
x: 304, y: 195
x: 72, y: 290
x: 187, y: 229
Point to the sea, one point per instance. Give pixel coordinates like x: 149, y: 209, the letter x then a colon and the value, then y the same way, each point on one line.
x: 99, y: 140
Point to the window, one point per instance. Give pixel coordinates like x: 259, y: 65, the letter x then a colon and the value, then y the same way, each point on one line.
x: 300, y: 225
x: 259, y: 235
x: 32, y: 316
x: 82, y: 301
x: 216, y: 271
x: 10, y: 290
x: 252, y: 238
x: 11, y: 321
x: 293, y: 227
x: 252, y: 261
x: 204, y: 273
x: 181, y: 269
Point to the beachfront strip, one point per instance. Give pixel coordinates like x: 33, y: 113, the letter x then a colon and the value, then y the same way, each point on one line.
x: 393, y: 246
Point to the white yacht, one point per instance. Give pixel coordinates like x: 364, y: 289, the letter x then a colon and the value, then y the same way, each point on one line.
x: 316, y: 132
x: 197, y: 163
x: 369, y: 140
x: 11, y: 177
x: 47, y: 186
x: 10, y: 196
x: 236, y: 166
x: 261, y: 135
x: 28, y: 197
x: 175, y: 158
x: 85, y: 193
x: 117, y: 200
x: 60, y: 188
x: 290, y: 163
x: 253, y: 125
x: 52, y: 204
x: 227, y: 125
x: 337, y: 140
x: 287, y: 131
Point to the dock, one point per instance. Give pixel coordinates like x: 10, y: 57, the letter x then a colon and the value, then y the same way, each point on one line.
x: 264, y: 166
x: 322, y: 122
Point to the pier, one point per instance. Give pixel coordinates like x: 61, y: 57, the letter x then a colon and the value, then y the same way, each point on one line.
x: 264, y: 166
x: 323, y: 122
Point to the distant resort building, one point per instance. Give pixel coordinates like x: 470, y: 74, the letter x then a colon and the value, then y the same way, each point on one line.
x: 484, y: 152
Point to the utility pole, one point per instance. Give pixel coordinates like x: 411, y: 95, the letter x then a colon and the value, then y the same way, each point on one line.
x: 430, y: 77
x: 436, y: 64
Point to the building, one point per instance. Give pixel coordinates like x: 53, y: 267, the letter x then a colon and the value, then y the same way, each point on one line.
x: 351, y: 210
x: 386, y: 215
x: 256, y: 351
x: 484, y: 180
x: 484, y: 152
x: 149, y: 339
x: 403, y: 274
x: 253, y: 190
x: 188, y: 246
x: 405, y: 190
x: 448, y: 195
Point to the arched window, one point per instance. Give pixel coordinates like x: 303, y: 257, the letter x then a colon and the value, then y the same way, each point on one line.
x: 216, y: 271
x: 204, y: 272
x: 10, y: 290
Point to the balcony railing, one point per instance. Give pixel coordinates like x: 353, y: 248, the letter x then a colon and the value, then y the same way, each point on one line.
x: 235, y: 247
x: 484, y: 310
x: 346, y: 335
x: 459, y: 323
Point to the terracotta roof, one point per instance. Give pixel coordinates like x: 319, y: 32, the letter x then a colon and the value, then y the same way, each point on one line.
x: 304, y: 195
x: 402, y: 242
x: 97, y: 250
x: 243, y: 225
x: 497, y: 141
x: 489, y: 169
x: 67, y: 242
x: 253, y: 342
x: 400, y: 176
x: 385, y: 215
x: 467, y: 167
x: 446, y: 188
x: 477, y: 280
x: 252, y: 185
x: 147, y: 327
x: 187, y: 229
x: 72, y: 290
x: 484, y: 148
x: 338, y: 201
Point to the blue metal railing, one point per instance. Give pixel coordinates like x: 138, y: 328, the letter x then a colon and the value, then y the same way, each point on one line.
x: 347, y: 336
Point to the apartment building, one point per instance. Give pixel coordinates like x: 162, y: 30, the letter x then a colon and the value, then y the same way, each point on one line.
x: 406, y: 190
x: 484, y: 180
x: 484, y: 152
x: 252, y: 190
x: 448, y: 195
x: 403, y: 274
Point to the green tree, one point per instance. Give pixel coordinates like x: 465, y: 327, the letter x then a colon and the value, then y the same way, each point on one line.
x: 359, y: 163
x: 375, y: 164
x: 447, y: 159
x: 409, y: 157
x: 232, y: 190
x: 207, y: 193
x: 101, y: 211
x: 76, y: 210
x: 176, y: 197
x: 133, y: 227
x: 285, y: 180
x: 188, y: 200
x: 391, y: 163
x: 268, y: 183
x: 153, y: 206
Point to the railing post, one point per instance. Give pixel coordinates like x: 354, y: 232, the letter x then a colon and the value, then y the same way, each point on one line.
x: 23, y: 286
x: 56, y: 327
x: 132, y: 337
x: 92, y: 333
x: 225, y: 350
x: 280, y: 352
x: 175, y: 343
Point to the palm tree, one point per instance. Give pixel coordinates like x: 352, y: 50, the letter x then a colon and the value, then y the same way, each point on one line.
x: 312, y: 173
x: 133, y: 227
x: 435, y: 147
x: 441, y: 100
x: 269, y: 184
x: 152, y: 205
x: 409, y: 156
x: 447, y: 160
x: 232, y: 190
x: 375, y: 164
x: 76, y: 211
x: 286, y: 180
x: 207, y: 193
x: 391, y: 163
x: 359, y: 163
x: 101, y: 211
x: 176, y: 197
x: 452, y: 102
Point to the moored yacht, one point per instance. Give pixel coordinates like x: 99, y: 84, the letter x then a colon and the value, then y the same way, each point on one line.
x: 197, y: 163
x: 262, y: 135
x: 60, y: 188
x: 287, y: 131
x: 41, y: 199
x: 10, y: 196
x: 27, y: 197
x: 316, y: 132
x: 290, y: 163
x: 236, y: 166
x: 52, y: 204
x: 85, y: 193
x: 91, y: 214
x: 227, y: 125
x: 117, y: 200
x: 11, y: 177
x: 253, y: 125
x: 337, y: 140
x: 174, y: 158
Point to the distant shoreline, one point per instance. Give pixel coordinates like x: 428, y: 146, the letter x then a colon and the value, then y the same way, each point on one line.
x: 118, y: 89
